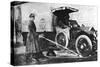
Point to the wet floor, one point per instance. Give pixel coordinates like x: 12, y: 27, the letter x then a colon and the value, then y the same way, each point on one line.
x: 21, y: 60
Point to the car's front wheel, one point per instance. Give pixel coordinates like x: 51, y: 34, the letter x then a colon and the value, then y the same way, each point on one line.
x: 83, y: 45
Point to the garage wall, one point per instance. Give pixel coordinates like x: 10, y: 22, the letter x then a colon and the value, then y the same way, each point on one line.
x: 86, y: 15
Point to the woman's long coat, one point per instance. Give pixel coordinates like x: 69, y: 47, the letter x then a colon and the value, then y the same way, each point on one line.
x: 32, y: 40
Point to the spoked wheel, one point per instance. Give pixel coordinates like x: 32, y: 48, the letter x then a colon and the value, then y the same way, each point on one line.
x: 83, y: 45
x: 61, y: 39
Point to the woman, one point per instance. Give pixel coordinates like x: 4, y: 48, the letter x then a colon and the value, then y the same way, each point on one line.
x: 32, y: 45
x: 33, y: 48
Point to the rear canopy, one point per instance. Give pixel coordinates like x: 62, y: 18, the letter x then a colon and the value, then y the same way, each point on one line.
x: 63, y: 11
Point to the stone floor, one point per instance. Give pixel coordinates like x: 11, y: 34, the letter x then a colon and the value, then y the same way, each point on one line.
x: 20, y: 58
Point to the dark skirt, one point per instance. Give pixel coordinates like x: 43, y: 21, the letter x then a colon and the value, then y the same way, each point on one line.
x: 32, y: 45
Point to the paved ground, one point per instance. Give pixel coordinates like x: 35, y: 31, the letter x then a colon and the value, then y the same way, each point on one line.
x: 20, y: 59
x: 69, y: 59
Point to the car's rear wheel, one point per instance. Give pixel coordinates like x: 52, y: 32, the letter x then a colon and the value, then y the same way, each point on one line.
x: 61, y: 39
x: 83, y: 45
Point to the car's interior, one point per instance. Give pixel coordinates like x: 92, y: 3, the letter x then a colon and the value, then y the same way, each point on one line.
x: 62, y: 16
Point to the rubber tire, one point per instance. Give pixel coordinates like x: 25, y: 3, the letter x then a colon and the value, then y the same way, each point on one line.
x: 88, y: 40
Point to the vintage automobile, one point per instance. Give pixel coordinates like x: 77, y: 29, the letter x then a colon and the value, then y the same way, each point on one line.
x: 69, y: 35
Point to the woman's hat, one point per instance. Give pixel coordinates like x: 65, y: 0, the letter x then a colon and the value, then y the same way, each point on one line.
x: 32, y: 15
